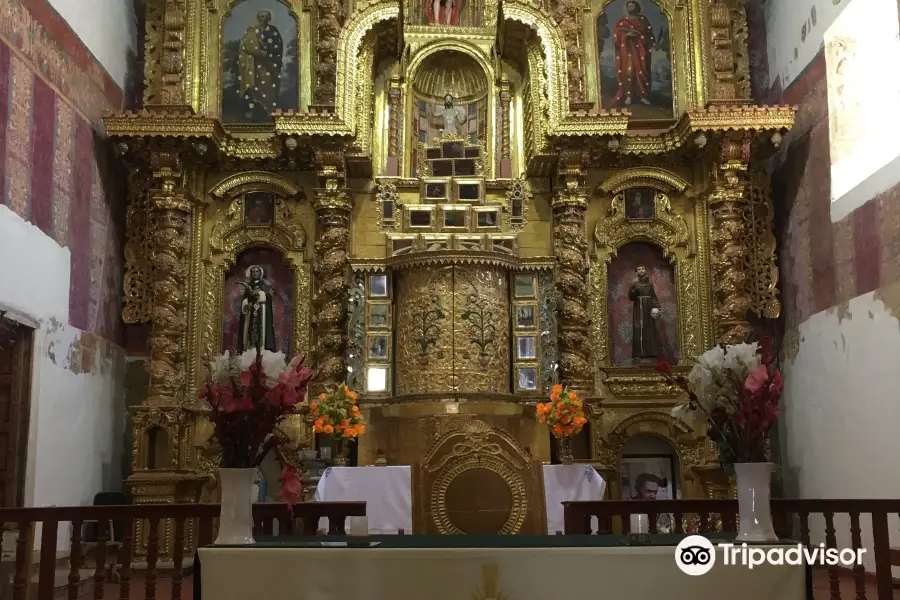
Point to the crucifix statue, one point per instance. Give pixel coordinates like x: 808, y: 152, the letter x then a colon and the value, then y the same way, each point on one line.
x: 448, y: 117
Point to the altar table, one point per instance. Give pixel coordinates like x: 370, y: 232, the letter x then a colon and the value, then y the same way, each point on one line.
x: 388, y: 495
x: 569, y: 483
x: 387, y: 492
x: 478, y: 567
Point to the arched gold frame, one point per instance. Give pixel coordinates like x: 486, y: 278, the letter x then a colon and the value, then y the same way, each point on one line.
x: 686, y: 445
x: 348, y: 57
x: 555, y: 66
x: 207, y: 88
x: 685, y: 26
x: 667, y: 230
x: 228, y: 237
x: 418, y: 59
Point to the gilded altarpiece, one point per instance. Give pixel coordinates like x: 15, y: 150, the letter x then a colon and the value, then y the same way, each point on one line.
x: 450, y: 273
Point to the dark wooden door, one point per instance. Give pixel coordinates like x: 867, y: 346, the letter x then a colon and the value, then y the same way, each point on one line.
x: 15, y: 375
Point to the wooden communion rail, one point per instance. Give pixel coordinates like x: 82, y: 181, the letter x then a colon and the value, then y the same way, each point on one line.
x: 105, y: 569
x: 792, y: 521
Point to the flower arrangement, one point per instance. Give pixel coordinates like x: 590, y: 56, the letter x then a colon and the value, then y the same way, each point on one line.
x: 563, y: 414
x: 335, y: 413
x: 736, y: 389
x: 249, y: 396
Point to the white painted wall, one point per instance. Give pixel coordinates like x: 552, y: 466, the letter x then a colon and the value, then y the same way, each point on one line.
x: 76, y: 423
x: 863, y: 105
x: 789, y: 49
x: 107, y: 27
x: 841, y: 398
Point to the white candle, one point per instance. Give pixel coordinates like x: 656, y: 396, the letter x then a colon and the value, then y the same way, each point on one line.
x: 359, y: 526
x: 640, y: 524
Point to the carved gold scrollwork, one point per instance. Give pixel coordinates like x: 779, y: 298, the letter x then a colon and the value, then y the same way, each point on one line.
x: 137, y: 293
x: 729, y: 236
x: 762, y: 283
x: 730, y: 56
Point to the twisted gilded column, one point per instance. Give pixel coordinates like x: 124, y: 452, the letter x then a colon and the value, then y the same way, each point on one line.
x: 505, y: 97
x: 170, y: 210
x: 570, y: 246
x: 729, y: 235
x: 332, y: 205
x: 394, y: 115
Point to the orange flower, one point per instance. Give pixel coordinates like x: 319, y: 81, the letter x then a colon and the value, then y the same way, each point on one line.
x: 328, y: 429
x: 361, y: 428
x: 355, y: 411
x: 322, y: 396
x: 557, y: 389
x: 318, y: 428
x: 313, y: 405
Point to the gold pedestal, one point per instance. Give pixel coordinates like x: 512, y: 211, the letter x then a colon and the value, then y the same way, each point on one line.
x: 164, y: 487
x: 407, y: 430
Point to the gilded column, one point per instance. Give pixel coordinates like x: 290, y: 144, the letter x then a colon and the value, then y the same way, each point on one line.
x: 329, y: 20
x: 505, y: 97
x: 570, y: 246
x: 728, y: 236
x: 332, y: 205
x: 394, y: 114
x: 170, y: 208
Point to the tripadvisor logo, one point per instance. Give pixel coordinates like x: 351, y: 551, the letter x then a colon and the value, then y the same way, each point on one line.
x: 696, y: 555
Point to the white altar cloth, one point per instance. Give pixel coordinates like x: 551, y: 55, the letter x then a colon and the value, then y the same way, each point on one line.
x: 387, y: 492
x: 569, y: 483
x: 442, y: 573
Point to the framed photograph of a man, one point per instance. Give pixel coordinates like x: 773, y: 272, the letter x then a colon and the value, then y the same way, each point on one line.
x: 648, y: 477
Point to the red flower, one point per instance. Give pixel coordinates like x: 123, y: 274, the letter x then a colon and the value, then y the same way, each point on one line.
x: 291, y: 486
x: 663, y: 367
x: 757, y: 379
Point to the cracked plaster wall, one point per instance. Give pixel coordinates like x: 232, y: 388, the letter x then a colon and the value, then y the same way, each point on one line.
x: 840, y: 284
x: 77, y: 412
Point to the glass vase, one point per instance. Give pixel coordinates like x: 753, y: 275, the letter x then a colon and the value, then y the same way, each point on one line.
x: 564, y: 448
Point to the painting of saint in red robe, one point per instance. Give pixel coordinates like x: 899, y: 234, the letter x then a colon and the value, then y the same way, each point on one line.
x: 443, y: 12
x: 635, y: 59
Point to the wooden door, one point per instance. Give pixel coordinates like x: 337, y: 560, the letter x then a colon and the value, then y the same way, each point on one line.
x: 15, y: 379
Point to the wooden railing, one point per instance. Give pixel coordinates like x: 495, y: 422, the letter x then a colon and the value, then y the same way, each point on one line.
x: 114, y: 559
x: 791, y: 518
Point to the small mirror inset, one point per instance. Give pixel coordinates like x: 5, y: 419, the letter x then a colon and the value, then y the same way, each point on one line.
x: 527, y: 378
x: 524, y: 317
x: 524, y: 286
x: 378, y: 286
x: 376, y: 379
x: 527, y: 347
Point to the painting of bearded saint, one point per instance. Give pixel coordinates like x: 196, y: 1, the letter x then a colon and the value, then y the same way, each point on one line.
x: 635, y: 59
x: 259, y: 62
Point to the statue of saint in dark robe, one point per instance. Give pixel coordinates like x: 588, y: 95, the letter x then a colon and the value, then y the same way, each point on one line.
x: 256, y: 326
x: 645, y: 311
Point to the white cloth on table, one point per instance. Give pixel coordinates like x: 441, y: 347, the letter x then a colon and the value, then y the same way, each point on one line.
x: 436, y: 573
x: 569, y: 483
x: 387, y: 492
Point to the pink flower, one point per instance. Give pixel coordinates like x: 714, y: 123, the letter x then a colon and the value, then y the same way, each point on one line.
x: 757, y: 379
x: 291, y: 487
